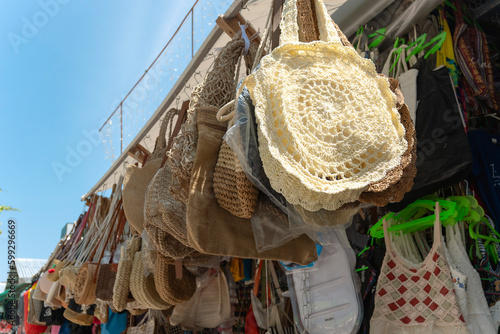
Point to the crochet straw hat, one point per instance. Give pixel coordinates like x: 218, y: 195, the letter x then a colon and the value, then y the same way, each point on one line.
x: 328, y: 125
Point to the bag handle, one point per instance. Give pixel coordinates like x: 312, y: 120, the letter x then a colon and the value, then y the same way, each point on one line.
x: 290, y: 27
x: 181, y: 117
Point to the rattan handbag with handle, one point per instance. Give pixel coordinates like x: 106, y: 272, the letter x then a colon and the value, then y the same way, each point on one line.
x: 86, y: 282
x: 233, y: 190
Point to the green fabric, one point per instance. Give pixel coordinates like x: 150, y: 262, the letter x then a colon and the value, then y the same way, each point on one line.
x: 19, y: 288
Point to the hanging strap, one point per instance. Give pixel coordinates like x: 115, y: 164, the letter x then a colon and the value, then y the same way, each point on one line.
x: 290, y: 28
x: 388, y: 241
x: 181, y: 117
x: 437, y: 224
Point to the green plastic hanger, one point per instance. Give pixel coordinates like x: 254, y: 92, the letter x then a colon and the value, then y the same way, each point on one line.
x: 439, y: 40
x: 381, y: 36
x: 419, y: 42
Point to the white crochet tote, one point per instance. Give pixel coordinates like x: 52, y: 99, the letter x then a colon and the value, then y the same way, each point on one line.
x: 327, y: 122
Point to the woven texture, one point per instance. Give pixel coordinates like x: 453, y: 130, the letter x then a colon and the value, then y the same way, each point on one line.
x: 308, y: 26
x: 85, y: 285
x: 165, y: 221
x: 213, y: 230
x: 143, y: 288
x: 213, y: 93
x: 57, y: 266
x: 172, y: 290
x: 312, y: 103
x: 106, y: 281
x: 137, y: 179
x: 147, y: 328
x: 121, y: 289
x: 420, y: 294
x: 398, y: 181
x: 233, y: 190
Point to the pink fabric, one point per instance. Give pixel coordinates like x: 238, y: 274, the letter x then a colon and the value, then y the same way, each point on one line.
x: 55, y: 329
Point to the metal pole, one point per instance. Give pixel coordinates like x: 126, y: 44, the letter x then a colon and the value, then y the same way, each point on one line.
x: 121, y: 128
x: 192, y: 32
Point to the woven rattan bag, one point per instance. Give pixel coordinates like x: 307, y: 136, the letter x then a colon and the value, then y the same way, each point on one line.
x: 212, y: 229
x: 328, y: 126
x: 137, y: 179
x: 171, y: 289
x: 121, y: 288
x: 233, y: 190
x: 143, y: 287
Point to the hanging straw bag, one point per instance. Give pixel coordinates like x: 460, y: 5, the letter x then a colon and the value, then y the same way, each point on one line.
x: 107, y: 272
x: 313, y: 100
x: 212, y: 229
x: 232, y: 189
x: 86, y: 282
x: 172, y: 289
x: 137, y: 179
x: 121, y: 288
x: 143, y: 287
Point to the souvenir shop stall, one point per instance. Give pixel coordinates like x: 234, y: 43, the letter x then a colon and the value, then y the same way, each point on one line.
x: 318, y: 180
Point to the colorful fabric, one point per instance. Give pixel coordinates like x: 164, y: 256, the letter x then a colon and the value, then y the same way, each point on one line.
x: 446, y: 54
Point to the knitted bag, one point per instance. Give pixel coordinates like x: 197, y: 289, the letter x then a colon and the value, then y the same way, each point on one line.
x: 143, y: 288
x: 121, y: 289
x: 165, y: 222
x: 233, y: 190
x: 328, y: 123
x: 171, y: 289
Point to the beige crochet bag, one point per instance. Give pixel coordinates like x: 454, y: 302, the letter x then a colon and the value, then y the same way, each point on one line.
x: 143, y: 287
x: 328, y: 125
x: 137, y: 179
x: 121, y: 289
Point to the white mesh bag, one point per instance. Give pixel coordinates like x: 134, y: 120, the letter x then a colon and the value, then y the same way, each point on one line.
x: 327, y: 122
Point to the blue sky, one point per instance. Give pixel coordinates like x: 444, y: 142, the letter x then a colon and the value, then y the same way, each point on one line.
x: 55, y: 82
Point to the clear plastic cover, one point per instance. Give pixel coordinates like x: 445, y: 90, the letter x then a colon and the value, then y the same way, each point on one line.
x: 271, y: 228
x: 326, y: 297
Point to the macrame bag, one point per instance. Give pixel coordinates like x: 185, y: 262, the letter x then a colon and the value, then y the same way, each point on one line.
x: 328, y: 124
x: 212, y: 229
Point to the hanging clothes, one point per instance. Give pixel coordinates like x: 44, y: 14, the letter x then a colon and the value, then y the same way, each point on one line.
x: 479, y: 319
x: 446, y: 54
x: 416, y: 297
x: 443, y: 156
